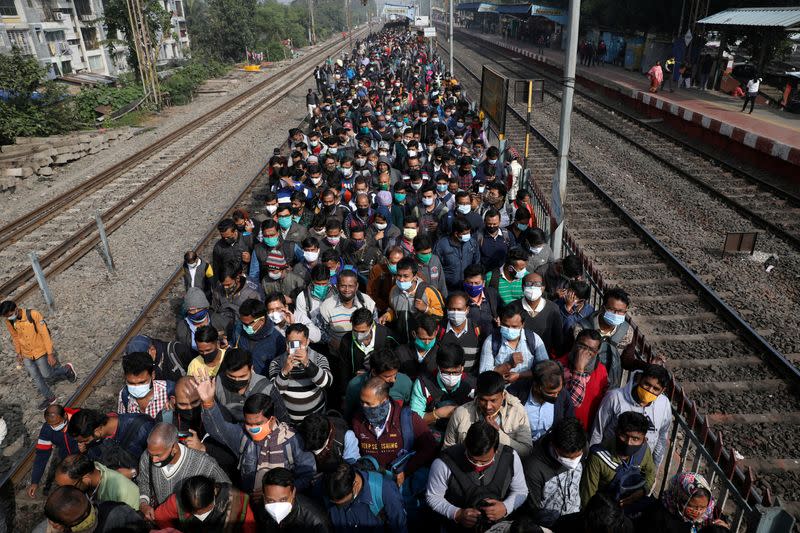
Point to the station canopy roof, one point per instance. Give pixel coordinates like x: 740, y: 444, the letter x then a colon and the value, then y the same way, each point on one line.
x: 555, y: 14
x: 770, y: 17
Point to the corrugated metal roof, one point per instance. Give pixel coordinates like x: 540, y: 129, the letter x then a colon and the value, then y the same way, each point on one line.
x: 776, y: 17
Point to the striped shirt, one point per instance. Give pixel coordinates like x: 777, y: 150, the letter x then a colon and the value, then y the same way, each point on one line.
x: 509, y: 290
x: 335, y: 317
x: 303, y: 390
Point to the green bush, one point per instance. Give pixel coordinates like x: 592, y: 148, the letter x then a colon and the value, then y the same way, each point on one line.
x: 181, y: 85
x: 85, y: 102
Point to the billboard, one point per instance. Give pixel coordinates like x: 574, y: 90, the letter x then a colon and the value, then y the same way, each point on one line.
x: 494, y: 97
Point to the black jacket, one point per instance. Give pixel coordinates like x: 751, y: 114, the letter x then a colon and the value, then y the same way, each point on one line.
x: 350, y: 358
x: 305, y: 517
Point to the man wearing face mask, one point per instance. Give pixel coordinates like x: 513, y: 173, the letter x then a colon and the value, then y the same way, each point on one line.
x: 500, y: 409
x: 301, y: 375
x: 53, y: 434
x: 335, y: 311
x: 507, y: 280
x: 202, y: 505
x: 541, y: 315
x: 553, y: 473
x: 546, y: 401
x: 210, y: 352
x: 435, y: 398
x: 410, y: 299
x: 198, y: 314
x: 233, y: 289
x: 96, y: 480
x: 256, y: 333
x: 116, y: 440
x: 387, y: 432
x: 477, y: 483
x: 142, y: 393
x: 541, y: 253
x: 456, y: 252
x: 232, y: 246
x: 197, y: 273
x: 514, y: 350
x: 261, y: 444
x: 617, y: 348
x: 493, y: 242
x: 238, y: 381
x: 331, y: 441
x: 280, y: 278
x: 361, y: 253
x: 431, y: 215
x: 334, y: 237
x: 429, y: 266
x: 269, y: 240
x: 166, y: 464
x: 286, y: 510
x: 69, y: 509
x: 626, y: 455
x: 642, y: 394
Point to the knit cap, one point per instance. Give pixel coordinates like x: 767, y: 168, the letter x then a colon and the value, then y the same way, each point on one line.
x: 276, y: 260
x: 384, y: 198
x: 195, y: 298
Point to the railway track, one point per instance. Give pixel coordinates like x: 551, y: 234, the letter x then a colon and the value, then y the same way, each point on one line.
x: 749, y: 192
x: 738, y: 391
x: 63, y: 230
x: 102, y: 385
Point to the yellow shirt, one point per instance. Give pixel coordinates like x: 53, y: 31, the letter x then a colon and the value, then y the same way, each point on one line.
x: 198, y: 363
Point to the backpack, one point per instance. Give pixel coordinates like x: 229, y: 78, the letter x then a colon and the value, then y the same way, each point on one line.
x: 421, y: 286
x: 375, y: 482
x: 126, y: 394
x: 176, y: 363
x: 30, y: 319
x: 628, y: 476
x: 113, y: 455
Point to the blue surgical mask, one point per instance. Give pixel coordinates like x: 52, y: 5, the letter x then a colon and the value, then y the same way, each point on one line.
x: 392, y: 268
x: 510, y: 334
x: 285, y: 222
x: 320, y: 291
x: 272, y: 242
x: 613, y: 318
x: 424, y: 346
x: 522, y: 227
x: 441, y: 187
x: 139, y: 391
x: 521, y: 273
x: 466, y: 237
x: 404, y: 285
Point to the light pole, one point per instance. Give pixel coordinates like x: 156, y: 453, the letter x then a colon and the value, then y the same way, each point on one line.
x: 560, y: 179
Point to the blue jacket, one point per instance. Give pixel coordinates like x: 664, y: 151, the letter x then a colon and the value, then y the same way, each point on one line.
x: 233, y: 436
x: 455, y: 258
x: 49, y: 439
x: 357, y: 516
x: 131, y: 436
x: 265, y: 344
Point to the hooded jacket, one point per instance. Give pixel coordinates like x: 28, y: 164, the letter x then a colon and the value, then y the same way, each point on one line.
x: 553, y: 489
x: 622, y: 400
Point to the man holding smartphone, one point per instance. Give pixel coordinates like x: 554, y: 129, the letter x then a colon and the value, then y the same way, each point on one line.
x: 301, y: 375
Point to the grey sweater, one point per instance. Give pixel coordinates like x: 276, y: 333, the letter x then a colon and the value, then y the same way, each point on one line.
x: 156, y: 484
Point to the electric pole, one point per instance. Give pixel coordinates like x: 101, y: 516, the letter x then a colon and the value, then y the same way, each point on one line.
x: 559, y: 195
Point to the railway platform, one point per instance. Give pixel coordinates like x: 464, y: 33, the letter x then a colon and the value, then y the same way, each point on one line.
x: 713, y: 116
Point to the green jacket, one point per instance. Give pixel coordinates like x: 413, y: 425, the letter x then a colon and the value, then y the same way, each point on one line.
x: 114, y: 487
x: 597, y: 474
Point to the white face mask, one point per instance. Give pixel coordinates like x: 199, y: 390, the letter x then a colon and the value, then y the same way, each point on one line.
x: 59, y: 427
x: 537, y: 249
x: 464, y: 208
x: 458, y: 142
x: 274, y: 274
x: 457, y: 317
x: 412, y: 153
x: 380, y: 227
x: 310, y: 257
x: 450, y: 380
x: 533, y: 293
x: 278, y: 510
x: 416, y: 186
x: 276, y: 317
x: 202, y: 517
x: 271, y: 209
x: 571, y: 464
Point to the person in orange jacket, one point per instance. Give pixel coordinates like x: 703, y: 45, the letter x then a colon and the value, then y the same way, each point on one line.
x: 34, y: 348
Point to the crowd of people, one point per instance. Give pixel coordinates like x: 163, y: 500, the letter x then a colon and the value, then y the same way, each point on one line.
x: 389, y: 343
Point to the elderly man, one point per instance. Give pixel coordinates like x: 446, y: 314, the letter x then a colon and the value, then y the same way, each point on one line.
x: 166, y: 464
x: 68, y: 509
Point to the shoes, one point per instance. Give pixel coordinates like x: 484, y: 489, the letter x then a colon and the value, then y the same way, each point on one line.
x: 72, y: 376
x: 46, y: 403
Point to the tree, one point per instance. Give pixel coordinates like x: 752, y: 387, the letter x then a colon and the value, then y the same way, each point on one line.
x: 159, y: 23
x: 34, y: 106
x: 226, y: 29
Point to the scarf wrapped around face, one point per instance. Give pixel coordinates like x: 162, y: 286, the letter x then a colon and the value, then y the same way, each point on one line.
x: 682, y: 487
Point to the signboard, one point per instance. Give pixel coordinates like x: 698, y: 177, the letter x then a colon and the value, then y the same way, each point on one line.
x: 521, y: 91
x: 421, y: 21
x: 429, y: 32
x: 494, y: 97
x: 398, y: 10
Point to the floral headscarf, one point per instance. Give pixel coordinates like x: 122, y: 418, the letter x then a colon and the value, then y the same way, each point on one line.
x: 681, y: 488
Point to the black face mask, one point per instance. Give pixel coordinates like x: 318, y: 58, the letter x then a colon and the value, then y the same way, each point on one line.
x: 189, y: 415
x: 549, y: 399
x: 208, y: 358
x: 230, y: 240
x: 240, y: 227
x: 165, y: 462
x: 628, y: 450
x: 231, y: 384
x: 362, y: 211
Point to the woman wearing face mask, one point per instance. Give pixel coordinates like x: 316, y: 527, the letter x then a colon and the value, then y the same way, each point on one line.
x: 383, y: 231
x: 286, y: 510
x: 203, y: 506
x: 686, y: 506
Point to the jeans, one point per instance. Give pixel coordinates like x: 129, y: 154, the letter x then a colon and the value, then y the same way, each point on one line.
x: 43, y: 374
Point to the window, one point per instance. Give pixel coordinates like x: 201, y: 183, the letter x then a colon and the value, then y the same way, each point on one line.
x: 83, y: 8
x: 178, y: 8
x: 96, y: 63
x: 54, y: 36
x: 19, y: 38
x: 8, y: 9
x: 90, y: 38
